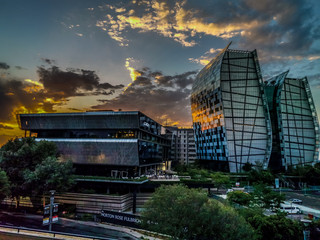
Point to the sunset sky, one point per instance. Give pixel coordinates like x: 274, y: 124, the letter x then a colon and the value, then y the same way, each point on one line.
x: 78, y: 55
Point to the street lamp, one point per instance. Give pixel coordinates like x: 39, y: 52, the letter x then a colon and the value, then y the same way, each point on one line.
x: 52, y: 192
x: 306, y: 232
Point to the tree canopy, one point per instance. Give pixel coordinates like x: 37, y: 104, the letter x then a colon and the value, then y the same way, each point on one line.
x: 262, y: 196
x: 275, y: 227
x: 4, y: 185
x: 185, y: 213
x: 220, y: 180
x: 33, y: 168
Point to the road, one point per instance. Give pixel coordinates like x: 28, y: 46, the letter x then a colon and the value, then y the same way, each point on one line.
x: 64, y: 225
x: 312, y: 201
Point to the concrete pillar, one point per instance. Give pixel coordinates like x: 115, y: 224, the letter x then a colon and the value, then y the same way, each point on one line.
x: 134, y: 201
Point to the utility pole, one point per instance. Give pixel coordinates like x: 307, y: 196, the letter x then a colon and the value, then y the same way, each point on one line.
x: 51, y: 208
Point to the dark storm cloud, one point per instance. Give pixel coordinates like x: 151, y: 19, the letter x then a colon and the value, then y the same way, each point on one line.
x: 4, y: 66
x: 283, y: 28
x: 20, y: 68
x: 5, y: 127
x: 58, y: 86
x: 160, y: 96
x: 13, y: 95
x: 73, y: 82
x: 279, y: 28
x: 48, y: 61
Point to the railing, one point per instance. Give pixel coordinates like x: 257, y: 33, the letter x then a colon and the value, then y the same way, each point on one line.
x: 46, y: 234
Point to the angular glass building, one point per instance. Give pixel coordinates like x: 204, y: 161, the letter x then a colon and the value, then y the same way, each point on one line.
x: 230, y: 115
x: 102, y: 142
x: 294, y: 122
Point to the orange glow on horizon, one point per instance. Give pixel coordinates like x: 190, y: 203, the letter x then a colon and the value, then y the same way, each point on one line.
x: 33, y: 86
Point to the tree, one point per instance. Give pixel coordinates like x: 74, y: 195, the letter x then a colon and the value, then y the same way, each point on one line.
x: 265, y: 197
x: 309, y: 174
x: 239, y: 197
x: 247, y: 167
x: 49, y: 174
x: 19, y: 158
x: 4, y: 185
x: 220, y: 180
x: 261, y: 176
x: 275, y: 227
x: 262, y: 196
x: 16, y: 156
x: 189, y: 214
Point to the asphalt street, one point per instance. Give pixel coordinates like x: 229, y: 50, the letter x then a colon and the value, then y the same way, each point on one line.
x: 65, y: 226
x: 312, y: 201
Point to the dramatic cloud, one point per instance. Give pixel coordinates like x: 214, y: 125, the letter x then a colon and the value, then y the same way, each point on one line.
x: 280, y: 29
x: 48, y: 61
x: 206, y: 57
x: 55, y: 88
x: 164, y: 98
x: 74, y: 82
x: 169, y: 19
x: 4, y: 66
x: 3, y: 126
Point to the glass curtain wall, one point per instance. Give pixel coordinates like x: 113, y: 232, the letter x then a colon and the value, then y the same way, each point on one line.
x: 298, y: 127
x: 230, y: 114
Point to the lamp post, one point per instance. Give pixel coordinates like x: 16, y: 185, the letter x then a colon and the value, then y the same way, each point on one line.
x: 306, y: 231
x: 51, y: 208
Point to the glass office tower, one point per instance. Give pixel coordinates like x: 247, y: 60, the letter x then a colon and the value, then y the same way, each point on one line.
x: 230, y: 115
x: 294, y: 122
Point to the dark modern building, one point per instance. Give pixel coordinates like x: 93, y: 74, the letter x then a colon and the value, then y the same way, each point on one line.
x: 294, y: 120
x: 183, y: 149
x: 230, y: 115
x: 108, y: 143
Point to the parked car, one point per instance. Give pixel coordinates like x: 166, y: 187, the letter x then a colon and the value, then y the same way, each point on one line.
x: 295, y: 200
x: 229, y: 190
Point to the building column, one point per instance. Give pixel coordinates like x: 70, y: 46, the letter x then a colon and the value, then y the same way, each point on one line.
x: 134, y: 201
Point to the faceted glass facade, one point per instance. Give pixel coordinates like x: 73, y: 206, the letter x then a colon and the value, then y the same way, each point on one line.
x: 230, y: 115
x: 296, y: 128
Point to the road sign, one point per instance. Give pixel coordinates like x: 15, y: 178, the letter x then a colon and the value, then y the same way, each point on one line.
x: 46, y: 221
x: 55, y: 207
x: 276, y: 181
x: 55, y: 218
x: 46, y: 210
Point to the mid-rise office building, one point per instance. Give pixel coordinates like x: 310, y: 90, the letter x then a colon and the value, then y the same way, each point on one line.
x: 105, y: 143
x: 183, y: 149
x: 294, y: 120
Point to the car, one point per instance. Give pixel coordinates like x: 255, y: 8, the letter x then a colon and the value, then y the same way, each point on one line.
x: 229, y: 190
x: 289, y: 209
x: 295, y: 200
